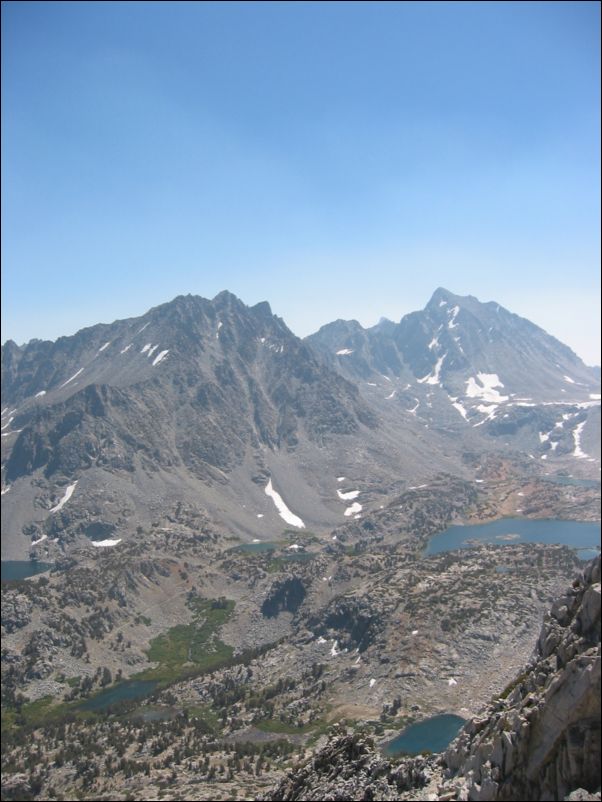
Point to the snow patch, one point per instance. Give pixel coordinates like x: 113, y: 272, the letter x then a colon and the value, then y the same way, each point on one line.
x: 391, y: 395
x: 355, y: 507
x: 259, y: 515
x: 344, y: 352
x: 283, y: 510
x: 543, y: 437
x: 5, y: 491
x: 488, y: 410
x: 9, y: 421
x: 578, y: 451
x: 39, y: 540
x: 452, y: 681
x: 127, y: 348
x: 75, y: 375
x: 143, y: 327
x: 349, y: 496
x: 40, y: 394
x: 65, y: 499
x: 146, y: 347
x: 594, y: 396
x: 103, y: 544
x: 433, y: 343
x: 486, y: 389
x: 568, y: 379
x: 433, y: 378
x: 152, y: 350
x: 160, y: 356
x: 102, y: 347
x: 457, y: 405
x: 372, y: 682
x: 442, y: 303
x: 454, y: 313
x: 334, y: 650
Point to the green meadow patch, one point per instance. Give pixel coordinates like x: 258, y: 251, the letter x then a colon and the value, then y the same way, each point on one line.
x: 191, y: 648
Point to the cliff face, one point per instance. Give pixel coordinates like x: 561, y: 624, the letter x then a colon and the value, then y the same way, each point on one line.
x: 540, y: 740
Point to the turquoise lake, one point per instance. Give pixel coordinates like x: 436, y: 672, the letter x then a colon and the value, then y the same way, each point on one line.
x: 571, y: 480
x: 123, y: 692
x: 256, y: 548
x: 581, y: 535
x: 266, y: 546
x: 21, y: 569
x: 431, y: 735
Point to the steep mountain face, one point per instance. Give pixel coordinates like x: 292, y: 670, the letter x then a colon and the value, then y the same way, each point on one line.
x: 463, y: 364
x: 455, y: 341
x: 357, y: 352
x: 539, y: 740
x: 195, y: 389
x: 220, y: 345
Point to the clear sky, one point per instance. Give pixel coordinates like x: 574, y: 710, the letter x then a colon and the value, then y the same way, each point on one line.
x: 337, y: 160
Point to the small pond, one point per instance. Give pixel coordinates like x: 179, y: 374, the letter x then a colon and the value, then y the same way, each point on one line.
x: 100, y: 530
x: 431, y: 735
x: 21, y: 569
x: 571, y: 480
x: 256, y: 548
x: 122, y: 692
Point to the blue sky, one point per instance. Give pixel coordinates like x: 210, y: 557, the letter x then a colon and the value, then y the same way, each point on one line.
x: 337, y: 160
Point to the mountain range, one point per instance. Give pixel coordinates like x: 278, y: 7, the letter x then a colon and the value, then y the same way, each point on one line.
x: 218, y: 405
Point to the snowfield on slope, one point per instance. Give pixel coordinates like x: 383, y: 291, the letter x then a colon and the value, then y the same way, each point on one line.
x: 283, y: 510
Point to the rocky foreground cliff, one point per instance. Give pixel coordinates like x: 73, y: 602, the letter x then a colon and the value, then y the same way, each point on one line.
x: 539, y: 740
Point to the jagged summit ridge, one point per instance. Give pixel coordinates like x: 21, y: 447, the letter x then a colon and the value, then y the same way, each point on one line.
x: 453, y: 340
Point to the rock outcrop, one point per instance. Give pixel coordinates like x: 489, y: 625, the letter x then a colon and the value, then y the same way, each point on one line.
x: 349, y: 768
x: 539, y: 740
x: 542, y: 741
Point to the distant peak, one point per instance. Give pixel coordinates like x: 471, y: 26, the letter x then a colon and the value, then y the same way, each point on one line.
x: 225, y: 297
x: 441, y: 294
x: 342, y: 326
x: 263, y: 309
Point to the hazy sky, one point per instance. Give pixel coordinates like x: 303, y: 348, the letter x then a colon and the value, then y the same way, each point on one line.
x: 338, y: 160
